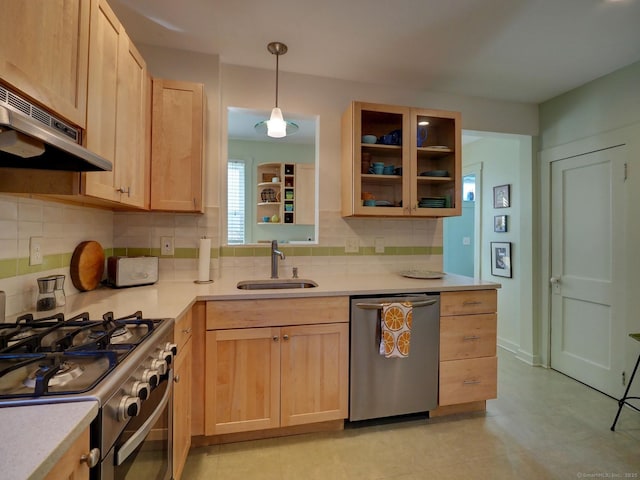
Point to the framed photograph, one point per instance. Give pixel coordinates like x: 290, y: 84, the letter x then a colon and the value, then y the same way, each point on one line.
x: 501, y: 196
x: 500, y: 223
x: 501, y: 259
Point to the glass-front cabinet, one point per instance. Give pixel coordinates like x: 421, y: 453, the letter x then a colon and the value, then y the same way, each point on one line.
x: 400, y: 161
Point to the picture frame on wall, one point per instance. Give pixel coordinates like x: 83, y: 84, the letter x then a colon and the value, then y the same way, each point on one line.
x: 502, y: 196
x: 501, y: 259
x: 500, y: 223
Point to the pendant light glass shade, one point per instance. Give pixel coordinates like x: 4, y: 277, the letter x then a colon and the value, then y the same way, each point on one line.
x: 276, y: 126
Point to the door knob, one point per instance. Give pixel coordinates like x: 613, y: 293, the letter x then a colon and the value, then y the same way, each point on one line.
x: 554, y: 280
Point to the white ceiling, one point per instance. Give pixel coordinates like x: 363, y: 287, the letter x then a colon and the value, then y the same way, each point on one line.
x: 515, y: 50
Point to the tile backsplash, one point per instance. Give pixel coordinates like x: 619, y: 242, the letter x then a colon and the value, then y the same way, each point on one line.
x: 407, y: 243
x: 61, y: 226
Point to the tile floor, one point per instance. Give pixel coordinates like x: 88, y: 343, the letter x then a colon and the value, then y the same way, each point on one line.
x: 542, y: 426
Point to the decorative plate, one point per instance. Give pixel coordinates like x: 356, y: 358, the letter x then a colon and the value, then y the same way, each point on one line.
x: 424, y: 274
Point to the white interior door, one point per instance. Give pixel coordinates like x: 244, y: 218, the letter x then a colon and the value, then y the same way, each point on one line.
x: 587, y: 240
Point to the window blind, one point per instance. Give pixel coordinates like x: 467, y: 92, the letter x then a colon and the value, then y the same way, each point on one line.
x: 235, y: 202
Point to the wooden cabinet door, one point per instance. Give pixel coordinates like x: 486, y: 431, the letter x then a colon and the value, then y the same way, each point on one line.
x: 69, y: 467
x: 305, y: 193
x: 132, y: 174
x: 43, y: 53
x: 242, y: 388
x: 104, y: 61
x: 117, y: 112
x: 315, y: 364
x: 182, y: 409
x: 177, y: 146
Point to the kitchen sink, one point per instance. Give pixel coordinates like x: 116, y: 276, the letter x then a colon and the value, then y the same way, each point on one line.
x: 276, y: 283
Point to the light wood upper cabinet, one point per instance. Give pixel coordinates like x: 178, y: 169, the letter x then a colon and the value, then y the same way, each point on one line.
x: 177, y: 146
x: 421, y: 147
x: 117, y: 112
x: 44, y: 53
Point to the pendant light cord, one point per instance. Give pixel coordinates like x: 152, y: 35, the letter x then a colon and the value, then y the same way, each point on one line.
x: 277, y: 70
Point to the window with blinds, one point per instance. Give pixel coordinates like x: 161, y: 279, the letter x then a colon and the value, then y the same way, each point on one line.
x: 236, y: 171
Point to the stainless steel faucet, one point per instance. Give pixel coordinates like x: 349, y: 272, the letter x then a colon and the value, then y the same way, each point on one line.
x: 275, y: 253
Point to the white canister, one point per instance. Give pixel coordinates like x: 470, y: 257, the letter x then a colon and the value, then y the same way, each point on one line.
x: 275, y: 180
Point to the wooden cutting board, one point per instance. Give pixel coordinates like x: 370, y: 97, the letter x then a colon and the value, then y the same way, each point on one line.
x: 87, y: 265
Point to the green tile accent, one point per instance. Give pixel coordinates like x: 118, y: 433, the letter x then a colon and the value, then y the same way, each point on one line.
x: 138, y: 252
x: 337, y: 251
x: 368, y: 251
x: 226, y: 251
x: 155, y: 252
x: 320, y: 251
x: 119, y: 252
x: 185, y: 253
x: 66, y: 259
x: 248, y: 252
x: 404, y: 251
x: 108, y: 252
x: 8, y: 268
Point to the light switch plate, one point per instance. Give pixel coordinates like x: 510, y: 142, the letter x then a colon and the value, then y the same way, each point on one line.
x: 35, y: 251
x: 351, y: 245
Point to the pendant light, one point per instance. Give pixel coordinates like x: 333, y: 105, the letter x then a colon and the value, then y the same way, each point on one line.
x: 276, y: 126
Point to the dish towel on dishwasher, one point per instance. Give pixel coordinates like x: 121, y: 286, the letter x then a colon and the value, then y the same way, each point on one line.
x: 395, y: 329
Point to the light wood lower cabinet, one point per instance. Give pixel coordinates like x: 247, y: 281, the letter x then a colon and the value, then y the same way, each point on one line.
x: 276, y: 376
x: 70, y: 466
x: 182, y: 392
x: 468, y: 362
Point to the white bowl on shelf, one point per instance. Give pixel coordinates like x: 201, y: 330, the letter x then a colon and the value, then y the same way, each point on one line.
x: 369, y: 139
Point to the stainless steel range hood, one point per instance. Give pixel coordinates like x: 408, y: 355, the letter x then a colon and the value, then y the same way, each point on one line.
x: 32, y: 138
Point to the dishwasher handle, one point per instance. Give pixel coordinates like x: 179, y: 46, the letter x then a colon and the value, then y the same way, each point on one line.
x: 379, y: 306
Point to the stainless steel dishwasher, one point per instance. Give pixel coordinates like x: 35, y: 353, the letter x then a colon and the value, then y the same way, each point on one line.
x: 384, y: 387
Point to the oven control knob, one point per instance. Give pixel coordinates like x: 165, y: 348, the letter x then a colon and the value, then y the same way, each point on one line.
x: 164, y: 356
x: 160, y: 366
x: 171, y: 347
x: 151, y: 377
x: 140, y: 389
x: 129, y: 407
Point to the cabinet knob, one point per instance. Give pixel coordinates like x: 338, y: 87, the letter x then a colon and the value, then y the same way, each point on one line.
x: 275, y: 338
x: 176, y: 379
x: 92, y: 458
x: 286, y: 337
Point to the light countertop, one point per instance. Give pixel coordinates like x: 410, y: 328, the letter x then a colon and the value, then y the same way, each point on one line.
x: 172, y: 298
x: 34, y: 437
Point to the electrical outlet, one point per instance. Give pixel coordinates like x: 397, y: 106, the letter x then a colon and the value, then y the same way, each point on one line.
x: 351, y: 245
x: 466, y: 240
x: 379, y: 244
x: 35, y: 251
x: 166, y: 246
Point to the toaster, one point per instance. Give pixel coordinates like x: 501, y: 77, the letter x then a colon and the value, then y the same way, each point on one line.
x: 132, y: 271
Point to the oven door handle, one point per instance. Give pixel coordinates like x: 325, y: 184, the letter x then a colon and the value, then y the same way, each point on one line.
x: 137, y: 438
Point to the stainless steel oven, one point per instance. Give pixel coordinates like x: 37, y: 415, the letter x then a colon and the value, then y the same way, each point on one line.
x: 143, y: 450
x: 124, y: 364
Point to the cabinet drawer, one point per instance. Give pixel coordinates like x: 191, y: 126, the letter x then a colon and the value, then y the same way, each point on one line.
x: 276, y: 312
x: 468, y: 302
x: 468, y: 336
x: 183, y: 329
x: 463, y: 381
